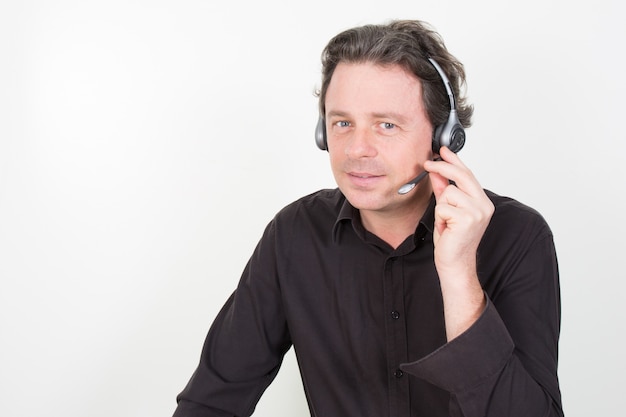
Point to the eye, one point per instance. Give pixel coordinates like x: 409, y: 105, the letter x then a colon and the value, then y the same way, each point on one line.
x: 387, y: 125
x: 342, y: 123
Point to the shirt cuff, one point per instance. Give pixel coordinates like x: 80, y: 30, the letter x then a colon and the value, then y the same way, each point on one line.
x: 467, y: 360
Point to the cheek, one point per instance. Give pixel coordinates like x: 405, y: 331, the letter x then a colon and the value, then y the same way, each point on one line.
x: 336, y: 160
x: 411, y: 159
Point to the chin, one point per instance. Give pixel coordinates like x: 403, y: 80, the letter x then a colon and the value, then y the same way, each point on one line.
x: 367, y: 200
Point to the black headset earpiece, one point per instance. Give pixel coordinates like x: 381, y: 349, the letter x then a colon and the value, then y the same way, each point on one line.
x: 450, y: 134
x: 320, y: 134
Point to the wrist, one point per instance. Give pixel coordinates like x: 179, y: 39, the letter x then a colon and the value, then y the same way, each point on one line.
x: 463, y: 302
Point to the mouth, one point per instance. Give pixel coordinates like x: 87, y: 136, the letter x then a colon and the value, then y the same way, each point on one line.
x: 363, y: 179
x: 363, y: 174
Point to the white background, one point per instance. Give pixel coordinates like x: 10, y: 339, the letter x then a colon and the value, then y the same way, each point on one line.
x: 144, y: 146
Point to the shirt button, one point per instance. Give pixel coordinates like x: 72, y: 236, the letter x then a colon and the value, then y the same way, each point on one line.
x: 395, y: 315
x: 398, y: 373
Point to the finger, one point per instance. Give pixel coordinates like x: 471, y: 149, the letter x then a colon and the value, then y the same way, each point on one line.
x: 451, y: 157
x: 452, y: 168
x: 456, y: 207
x: 447, y: 216
x: 438, y: 183
x: 453, y: 196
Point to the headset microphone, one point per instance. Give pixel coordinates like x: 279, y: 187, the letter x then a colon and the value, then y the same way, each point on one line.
x: 410, y: 185
x: 450, y: 134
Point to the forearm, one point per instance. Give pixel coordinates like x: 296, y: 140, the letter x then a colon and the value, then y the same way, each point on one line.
x: 463, y: 300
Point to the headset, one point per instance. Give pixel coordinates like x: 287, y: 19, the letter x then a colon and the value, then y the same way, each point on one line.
x: 450, y: 134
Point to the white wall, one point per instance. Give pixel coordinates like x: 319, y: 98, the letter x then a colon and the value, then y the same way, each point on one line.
x: 144, y: 145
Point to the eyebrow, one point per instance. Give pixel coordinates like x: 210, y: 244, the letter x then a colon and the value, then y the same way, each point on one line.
x: 382, y: 115
x: 390, y: 115
x: 336, y: 113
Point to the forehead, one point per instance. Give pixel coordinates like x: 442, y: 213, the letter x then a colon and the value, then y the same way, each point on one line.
x: 374, y: 88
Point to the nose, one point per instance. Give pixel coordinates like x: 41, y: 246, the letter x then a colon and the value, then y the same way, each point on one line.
x: 361, y: 144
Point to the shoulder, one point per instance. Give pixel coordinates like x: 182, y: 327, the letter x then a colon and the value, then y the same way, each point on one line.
x: 307, y: 220
x: 515, y: 220
x: 315, y: 212
x: 320, y: 205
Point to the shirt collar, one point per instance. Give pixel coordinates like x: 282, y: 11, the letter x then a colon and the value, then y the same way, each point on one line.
x: 350, y: 215
x: 347, y: 214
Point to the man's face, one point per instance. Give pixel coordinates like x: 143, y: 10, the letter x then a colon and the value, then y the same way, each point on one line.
x: 378, y: 136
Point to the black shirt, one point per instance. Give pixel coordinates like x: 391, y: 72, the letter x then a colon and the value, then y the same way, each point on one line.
x: 366, y: 321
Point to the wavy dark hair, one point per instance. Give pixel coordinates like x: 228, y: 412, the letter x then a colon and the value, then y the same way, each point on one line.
x: 408, y: 43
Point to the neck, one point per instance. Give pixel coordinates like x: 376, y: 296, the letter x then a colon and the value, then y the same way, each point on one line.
x: 394, y: 227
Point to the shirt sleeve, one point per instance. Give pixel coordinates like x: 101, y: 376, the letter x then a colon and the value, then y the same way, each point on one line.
x: 505, y: 364
x: 245, y: 346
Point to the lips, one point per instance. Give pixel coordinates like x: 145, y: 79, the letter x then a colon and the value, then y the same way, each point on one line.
x: 363, y: 179
x: 358, y: 175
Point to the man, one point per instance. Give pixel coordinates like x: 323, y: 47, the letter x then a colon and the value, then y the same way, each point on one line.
x: 438, y: 301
